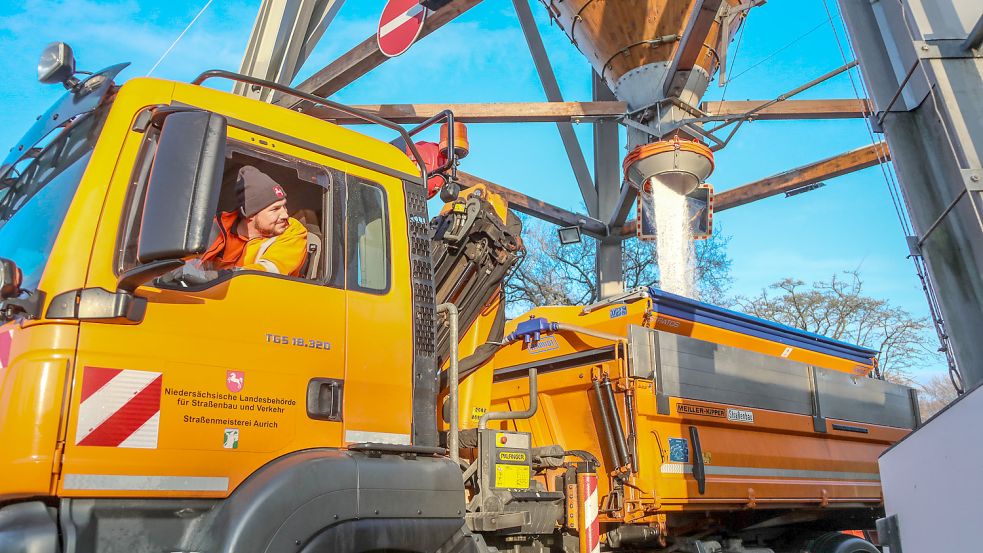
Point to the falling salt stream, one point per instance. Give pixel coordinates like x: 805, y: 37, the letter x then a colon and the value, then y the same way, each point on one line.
x: 674, y: 242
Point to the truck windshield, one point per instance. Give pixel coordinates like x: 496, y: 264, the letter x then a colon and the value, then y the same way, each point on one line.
x: 36, y: 192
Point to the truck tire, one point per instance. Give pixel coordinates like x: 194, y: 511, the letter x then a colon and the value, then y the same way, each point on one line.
x: 835, y: 542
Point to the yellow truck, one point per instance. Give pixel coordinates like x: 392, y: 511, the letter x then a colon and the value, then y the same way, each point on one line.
x: 147, y: 404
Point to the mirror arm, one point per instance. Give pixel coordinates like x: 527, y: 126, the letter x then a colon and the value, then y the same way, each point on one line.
x: 98, y: 304
x: 130, y: 279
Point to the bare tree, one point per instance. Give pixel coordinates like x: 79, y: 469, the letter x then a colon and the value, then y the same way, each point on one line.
x: 935, y: 394
x: 552, y: 274
x: 839, y: 309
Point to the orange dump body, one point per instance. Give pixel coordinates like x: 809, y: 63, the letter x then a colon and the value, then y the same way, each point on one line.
x: 713, y: 410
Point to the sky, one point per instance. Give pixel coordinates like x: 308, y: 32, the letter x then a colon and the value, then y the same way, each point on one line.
x: 850, y: 224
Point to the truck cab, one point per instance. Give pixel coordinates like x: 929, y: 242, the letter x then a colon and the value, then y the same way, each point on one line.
x: 224, y: 410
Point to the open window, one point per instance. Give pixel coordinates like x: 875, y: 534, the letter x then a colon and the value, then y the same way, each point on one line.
x: 309, y: 198
x: 308, y: 188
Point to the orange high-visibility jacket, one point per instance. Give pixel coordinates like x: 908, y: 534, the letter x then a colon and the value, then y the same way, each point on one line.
x: 283, y: 254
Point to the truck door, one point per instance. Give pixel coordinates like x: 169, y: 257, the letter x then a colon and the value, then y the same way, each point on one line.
x: 225, y: 371
x: 379, y: 381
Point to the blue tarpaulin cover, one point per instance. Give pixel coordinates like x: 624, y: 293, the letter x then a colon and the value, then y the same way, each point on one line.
x: 698, y: 312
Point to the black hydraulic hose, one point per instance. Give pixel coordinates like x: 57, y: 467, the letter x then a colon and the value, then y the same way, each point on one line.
x: 619, y: 433
x: 585, y: 455
x: 606, y: 420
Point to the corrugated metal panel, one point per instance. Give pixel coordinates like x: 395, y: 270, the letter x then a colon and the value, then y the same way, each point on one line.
x: 688, y: 368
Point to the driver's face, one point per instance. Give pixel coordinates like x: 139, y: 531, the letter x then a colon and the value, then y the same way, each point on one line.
x: 272, y: 220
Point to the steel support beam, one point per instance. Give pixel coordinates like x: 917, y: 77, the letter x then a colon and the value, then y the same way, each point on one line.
x: 537, y: 208
x: 282, y: 38
x: 546, y: 76
x: 975, y: 38
x: 829, y: 168
x: 511, y: 112
x: 623, y: 208
x: 833, y: 167
x: 687, y: 50
x: 846, y: 108
x: 366, y: 56
x: 925, y: 86
x: 607, y: 180
x: 925, y: 90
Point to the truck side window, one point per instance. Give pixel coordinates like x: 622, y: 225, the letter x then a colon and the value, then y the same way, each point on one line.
x: 308, y: 193
x: 368, y: 241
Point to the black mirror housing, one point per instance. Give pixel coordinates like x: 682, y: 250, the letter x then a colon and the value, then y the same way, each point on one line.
x: 10, y: 279
x: 183, y: 188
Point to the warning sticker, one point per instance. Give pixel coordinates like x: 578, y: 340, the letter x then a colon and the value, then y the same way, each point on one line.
x: 511, y: 476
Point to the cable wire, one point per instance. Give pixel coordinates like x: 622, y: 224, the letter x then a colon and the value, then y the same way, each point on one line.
x: 737, y: 50
x: 179, y: 37
x: 894, y: 190
x: 780, y: 50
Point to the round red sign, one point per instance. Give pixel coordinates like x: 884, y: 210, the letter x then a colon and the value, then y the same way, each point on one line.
x: 399, y: 26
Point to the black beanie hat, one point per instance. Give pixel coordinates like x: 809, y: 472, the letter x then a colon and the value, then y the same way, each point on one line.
x: 255, y: 191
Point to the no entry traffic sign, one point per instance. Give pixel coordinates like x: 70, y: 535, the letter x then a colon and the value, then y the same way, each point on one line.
x: 399, y: 26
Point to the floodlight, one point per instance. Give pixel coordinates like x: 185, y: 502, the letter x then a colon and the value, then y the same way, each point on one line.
x: 57, y: 65
x: 569, y: 235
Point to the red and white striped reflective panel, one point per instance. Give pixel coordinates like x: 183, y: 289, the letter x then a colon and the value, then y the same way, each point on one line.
x: 591, y: 529
x: 119, y: 408
x: 6, y: 340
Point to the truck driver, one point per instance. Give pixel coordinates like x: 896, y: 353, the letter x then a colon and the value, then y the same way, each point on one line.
x: 259, y: 235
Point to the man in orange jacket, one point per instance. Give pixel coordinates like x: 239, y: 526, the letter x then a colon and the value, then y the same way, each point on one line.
x: 259, y: 236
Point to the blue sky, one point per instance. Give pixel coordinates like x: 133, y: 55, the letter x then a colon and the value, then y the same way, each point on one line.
x: 481, y: 57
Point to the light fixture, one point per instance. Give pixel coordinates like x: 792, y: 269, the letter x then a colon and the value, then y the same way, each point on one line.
x: 57, y: 65
x: 568, y: 235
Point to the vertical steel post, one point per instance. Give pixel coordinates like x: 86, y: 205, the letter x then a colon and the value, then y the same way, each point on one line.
x: 453, y: 437
x: 552, y: 89
x: 607, y: 181
x: 925, y: 88
x: 282, y: 38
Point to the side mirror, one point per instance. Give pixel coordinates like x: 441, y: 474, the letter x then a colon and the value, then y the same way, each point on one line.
x: 10, y: 279
x: 182, y: 194
x: 183, y: 190
x: 57, y: 65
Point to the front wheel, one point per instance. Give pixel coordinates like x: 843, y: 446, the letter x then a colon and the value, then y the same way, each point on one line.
x: 840, y: 543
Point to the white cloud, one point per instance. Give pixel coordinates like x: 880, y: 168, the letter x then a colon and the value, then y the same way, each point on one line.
x: 110, y: 32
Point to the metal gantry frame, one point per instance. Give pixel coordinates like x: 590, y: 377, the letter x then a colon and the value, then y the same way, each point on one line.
x: 282, y: 39
x: 923, y: 68
x: 286, y: 31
